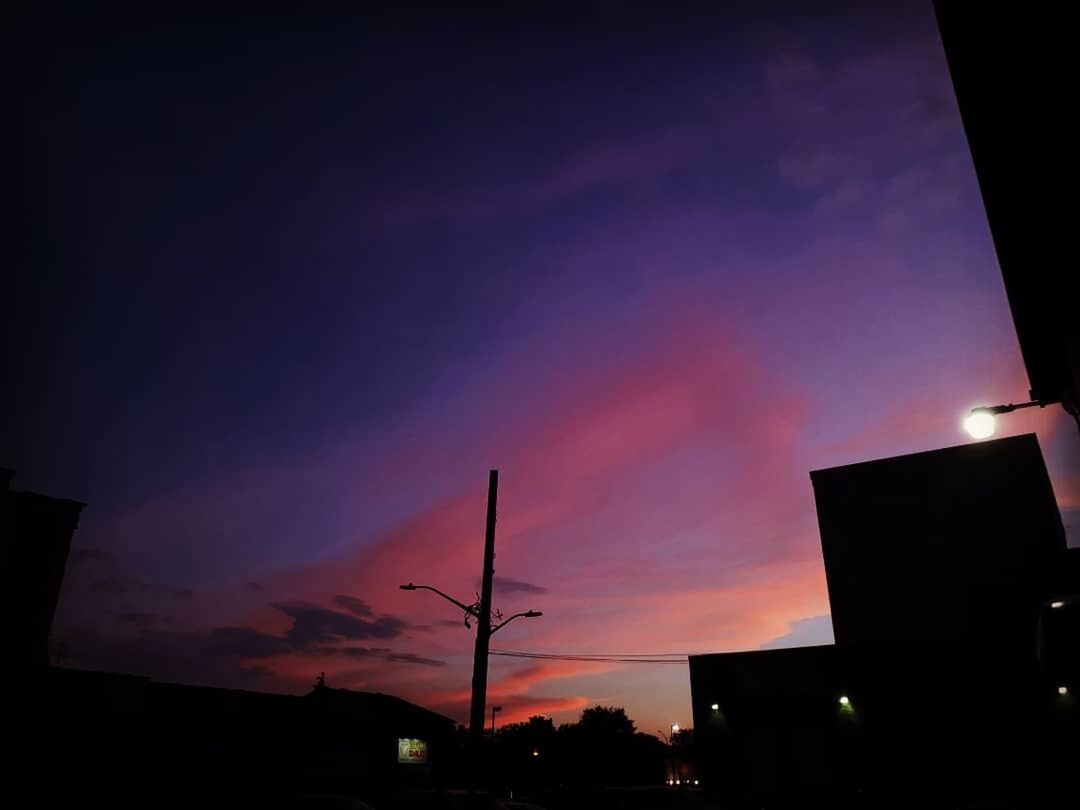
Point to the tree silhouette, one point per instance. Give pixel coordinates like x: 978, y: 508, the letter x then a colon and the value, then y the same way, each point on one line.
x: 602, y: 749
x: 606, y: 722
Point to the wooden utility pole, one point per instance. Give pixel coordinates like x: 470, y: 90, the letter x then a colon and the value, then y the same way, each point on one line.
x: 483, y: 624
x: 481, y: 612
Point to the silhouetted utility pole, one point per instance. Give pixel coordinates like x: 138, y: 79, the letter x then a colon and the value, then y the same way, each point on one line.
x: 485, y: 618
x: 483, y: 627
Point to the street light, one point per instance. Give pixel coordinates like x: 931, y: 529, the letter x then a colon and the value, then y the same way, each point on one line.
x: 528, y: 614
x: 481, y: 611
x: 470, y: 610
x: 979, y: 422
x: 474, y: 612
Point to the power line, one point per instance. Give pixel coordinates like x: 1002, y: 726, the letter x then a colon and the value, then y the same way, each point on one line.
x: 605, y: 655
x: 603, y: 658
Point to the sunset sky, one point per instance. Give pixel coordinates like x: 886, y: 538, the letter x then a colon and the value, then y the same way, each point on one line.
x: 303, y: 283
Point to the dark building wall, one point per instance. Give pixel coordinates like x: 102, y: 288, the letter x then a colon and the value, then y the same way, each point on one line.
x: 37, y: 534
x: 136, y: 741
x: 776, y: 727
x: 960, y: 543
x: 952, y: 603
x: 925, y: 722
x: 1013, y: 74
x: 93, y: 735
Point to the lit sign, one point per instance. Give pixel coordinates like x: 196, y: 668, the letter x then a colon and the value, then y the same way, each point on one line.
x: 411, y: 751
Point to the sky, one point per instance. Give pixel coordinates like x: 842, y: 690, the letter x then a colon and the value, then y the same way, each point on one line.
x: 298, y: 284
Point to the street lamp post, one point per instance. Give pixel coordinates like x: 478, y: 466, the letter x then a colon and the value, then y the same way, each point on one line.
x: 979, y: 422
x: 483, y: 625
x: 482, y: 613
x: 493, y: 710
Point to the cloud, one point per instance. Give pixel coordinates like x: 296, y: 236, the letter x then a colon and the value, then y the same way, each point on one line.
x: 353, y: 605
x: 901, y: 159
x: 355, y: 652
x: 809, y: 632
x: 315, y: 624
x: 117, y: 584
x: 122, y: 585
x: 233, y: 655
x: 379, y: 653
x: 505, y: 586
x: 663, y: 425
x: 513, y: 691
x: 666, y: 425
x: 140, y: 618
x: 254, y: 587
x: 410, y: 658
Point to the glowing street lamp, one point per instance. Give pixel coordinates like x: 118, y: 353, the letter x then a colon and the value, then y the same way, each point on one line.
x: 979, y: 423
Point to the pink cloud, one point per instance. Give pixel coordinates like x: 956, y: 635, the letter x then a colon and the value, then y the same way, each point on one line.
x: 567, y: 478
x: 579, y: 515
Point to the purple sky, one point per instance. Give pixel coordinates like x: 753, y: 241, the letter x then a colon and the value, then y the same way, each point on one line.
x: 299, y: 286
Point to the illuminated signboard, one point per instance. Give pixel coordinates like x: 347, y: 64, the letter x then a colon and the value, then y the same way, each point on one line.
x: 412, y: 751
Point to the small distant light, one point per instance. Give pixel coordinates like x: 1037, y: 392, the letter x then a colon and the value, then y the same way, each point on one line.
x: 674, y: 726
x: 696, y: 782
x: 1063, y: 690
x: 1057, y: 604
x: 671, y: 781
x: 715, y: 707
x: 845, y: 700
x: 536, y: 753
x: 677, y: 782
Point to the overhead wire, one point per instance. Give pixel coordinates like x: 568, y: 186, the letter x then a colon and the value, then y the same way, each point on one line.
x: 603, y: 658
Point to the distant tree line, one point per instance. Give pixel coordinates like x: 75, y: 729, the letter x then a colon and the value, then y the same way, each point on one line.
x: 602, y: 748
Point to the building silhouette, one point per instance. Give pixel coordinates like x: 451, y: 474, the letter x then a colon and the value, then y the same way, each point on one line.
x: 954, y: 605
x: 957, y: 544
x: 36, y: 537
x: 76, y: 735
x: 1011, y: 71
